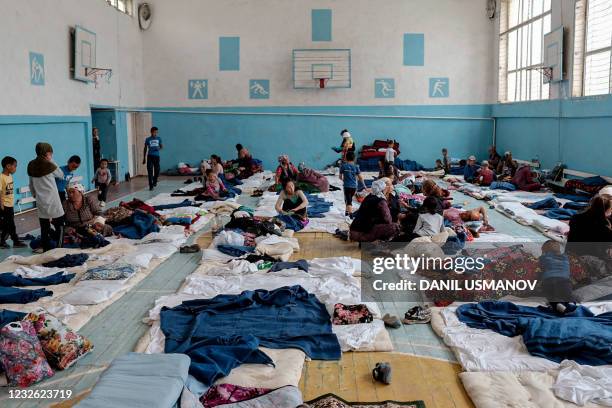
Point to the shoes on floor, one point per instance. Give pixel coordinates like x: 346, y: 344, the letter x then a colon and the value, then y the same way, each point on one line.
x: 343, y: 235
x: 4, y: 245
x: 417, y: 314
x: 19, y: 244
x: 188, y: 181
x: 38, y: 251
x: 190, y: 249
x: 151, y: 188
x: 392, y: 321
x: 102, y: 204
x: 382, y: 373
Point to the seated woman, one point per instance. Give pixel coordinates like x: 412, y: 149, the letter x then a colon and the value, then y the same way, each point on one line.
x: 214, y: 187
x: 285, y: 171
x: 373, y: 221
x: 506, y: 167
x: 593, y: 224
x: 216, y: 164
x: 246, y: 166
x: 523, y: 180
x: 494, y: 157
x: 82, y: 212
x: 293, y: 203
x: 442, y: 196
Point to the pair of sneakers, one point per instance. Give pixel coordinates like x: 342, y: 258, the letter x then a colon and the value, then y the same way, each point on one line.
x: 190, y: 249
x: 417, y: 314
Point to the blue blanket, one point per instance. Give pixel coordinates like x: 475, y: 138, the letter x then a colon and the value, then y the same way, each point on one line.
x: 580, y: 336
x: 233, y: 326
x: 141, y: 224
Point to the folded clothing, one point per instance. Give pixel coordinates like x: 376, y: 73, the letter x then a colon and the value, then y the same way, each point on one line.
x: 67, y: 261
x: 18, y: 295
x: 115, y: 271
x: 300, y: 264
x: 9, y: 279
x: 140, y: 380
x: 351, y: 314
x: 544, y: 204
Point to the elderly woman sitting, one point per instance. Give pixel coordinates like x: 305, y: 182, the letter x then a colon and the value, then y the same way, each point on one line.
x: 83, y: 211
x: 373, y: 221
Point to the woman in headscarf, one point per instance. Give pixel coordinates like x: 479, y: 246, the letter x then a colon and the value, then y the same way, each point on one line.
x: 43, y: 172
x: 373, y: 221
x: 80, y: 210
x: 285, y: 171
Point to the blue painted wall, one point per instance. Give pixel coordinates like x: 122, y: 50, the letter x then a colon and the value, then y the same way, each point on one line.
x: 67, y: 134
x: 576, y: 132
x: 191, y: 136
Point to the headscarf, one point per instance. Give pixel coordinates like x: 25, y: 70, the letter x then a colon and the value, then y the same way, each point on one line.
x: 346, y: 134
x: 99, y: 220
x: 378, y: 187
x: 607, y: 190
x: 40, y: 166
x: 77, y: 186
x: 283, y: 158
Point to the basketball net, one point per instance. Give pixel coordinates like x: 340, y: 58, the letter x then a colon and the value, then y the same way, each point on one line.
x: 98, y: 74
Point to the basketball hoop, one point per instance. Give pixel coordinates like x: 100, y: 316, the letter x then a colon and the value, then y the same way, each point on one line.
x: 97, y: 74
x: 322, y: 82
x: 547, y: 72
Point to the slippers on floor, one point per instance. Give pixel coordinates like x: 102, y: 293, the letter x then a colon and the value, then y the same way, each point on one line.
x: 382, y: 373
x: 417, y: 315
x: 190, y: 249
x: 392, y: 321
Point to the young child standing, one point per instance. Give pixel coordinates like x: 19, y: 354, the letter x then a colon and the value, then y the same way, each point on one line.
x: 555, y: 277
x: 390, y: 152
x: 350, y: 176
x: 446, y: 161
x: 102, y: 179
x: 7, y: 213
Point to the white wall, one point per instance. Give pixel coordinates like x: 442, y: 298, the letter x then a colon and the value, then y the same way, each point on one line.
x: 42, y: 26
x: 182, y: 44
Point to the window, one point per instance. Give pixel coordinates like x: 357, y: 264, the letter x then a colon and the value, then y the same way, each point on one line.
x: 598, y: 48
x: 522, y: 26
x: 125, y: 6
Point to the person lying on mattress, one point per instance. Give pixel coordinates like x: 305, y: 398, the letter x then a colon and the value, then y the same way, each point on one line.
x: 292, y: 203
x: 373, y: 221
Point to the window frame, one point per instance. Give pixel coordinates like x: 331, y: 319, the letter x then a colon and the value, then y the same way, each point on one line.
x: 504, y: 41
x: 129, y: 6
x: 586, y: 53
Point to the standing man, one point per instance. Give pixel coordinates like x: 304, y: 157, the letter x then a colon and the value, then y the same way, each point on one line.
x: 153, y: 144
x: 97, y: 155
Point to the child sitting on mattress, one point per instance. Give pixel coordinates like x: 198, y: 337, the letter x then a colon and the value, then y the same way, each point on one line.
x: 485, y: 176
x: 555, y: 278
x: 215, y: 188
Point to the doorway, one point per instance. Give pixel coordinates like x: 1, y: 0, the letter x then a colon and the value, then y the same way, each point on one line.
x: 104, y: 120
x: 141, y: 123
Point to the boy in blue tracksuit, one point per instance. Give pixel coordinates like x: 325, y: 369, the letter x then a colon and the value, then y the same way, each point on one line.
x: 73, y: 164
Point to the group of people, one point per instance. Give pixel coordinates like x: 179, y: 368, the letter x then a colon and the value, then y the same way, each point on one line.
x: 496, y: 168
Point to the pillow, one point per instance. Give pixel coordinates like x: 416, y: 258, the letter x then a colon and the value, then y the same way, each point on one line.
x: 22, y: 356
x: 62, y: 346
x: 115, y: 271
